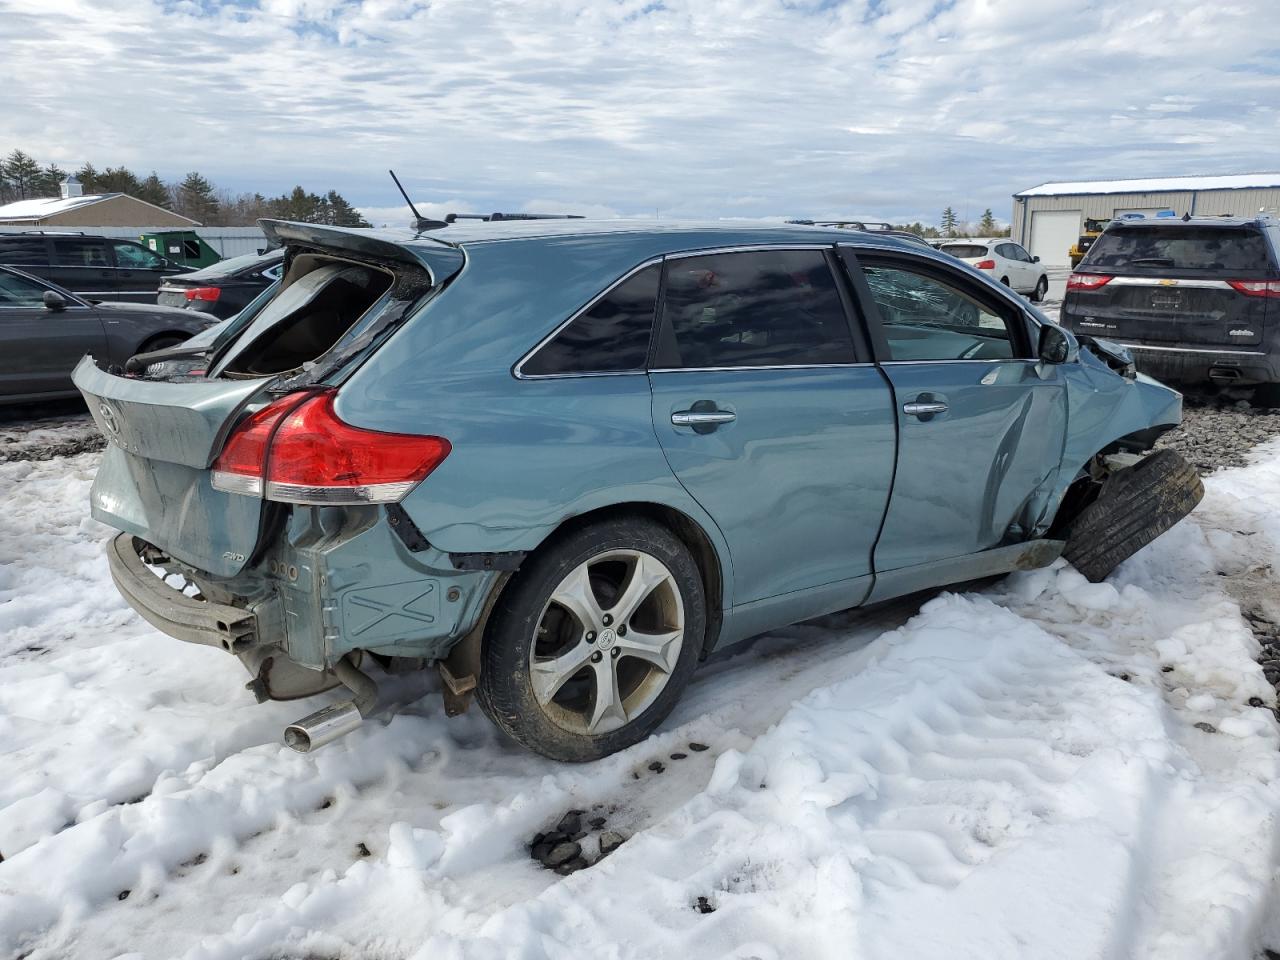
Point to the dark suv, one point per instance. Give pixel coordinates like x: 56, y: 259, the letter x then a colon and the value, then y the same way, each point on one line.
x: 1190, y: 298
x: 98, y: 268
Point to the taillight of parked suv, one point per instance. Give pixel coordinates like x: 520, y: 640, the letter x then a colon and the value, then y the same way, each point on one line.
x: 1087, y: 281
x: 296, y: 450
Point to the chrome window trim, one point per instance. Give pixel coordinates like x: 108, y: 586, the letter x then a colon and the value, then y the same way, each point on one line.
x: 895, y: 363
x: 1228, y: 353
x: 749, y: 248
x: 770, y: 366
x: 518, y: 370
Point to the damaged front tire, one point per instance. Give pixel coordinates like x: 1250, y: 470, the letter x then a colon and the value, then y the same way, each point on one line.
x: 1136, y: 505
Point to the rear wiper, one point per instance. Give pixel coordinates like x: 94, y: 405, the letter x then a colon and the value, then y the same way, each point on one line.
x: 1155, y: 261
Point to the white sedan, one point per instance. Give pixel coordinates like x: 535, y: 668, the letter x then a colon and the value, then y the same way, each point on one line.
x: 1004, y: 260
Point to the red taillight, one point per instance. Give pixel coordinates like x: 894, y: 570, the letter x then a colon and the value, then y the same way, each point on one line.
x: 985, y: 265
x: 1088, y: 281
x: 1257, y: 288
x: 203, y: 293
x: 296, y: 450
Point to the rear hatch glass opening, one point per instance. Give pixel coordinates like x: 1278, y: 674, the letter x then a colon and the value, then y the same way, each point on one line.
x: 320, y: 301
x: 1236, y: 251
x: 965, y: 251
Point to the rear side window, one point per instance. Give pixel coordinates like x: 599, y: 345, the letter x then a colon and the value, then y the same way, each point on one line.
x: 24, y: 251
x: 74, y: 252
x: 610, y: 336
x: 1160, y: 249
x: 753, y: 309
x: 131, y: 255
x: 965, y: 250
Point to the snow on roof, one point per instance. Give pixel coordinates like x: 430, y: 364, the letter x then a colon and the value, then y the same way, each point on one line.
x: 1238, y: 181
x: 48, y: 206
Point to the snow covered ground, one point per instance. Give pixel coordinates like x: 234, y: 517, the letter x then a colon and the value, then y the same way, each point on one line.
x: 1044, y: 768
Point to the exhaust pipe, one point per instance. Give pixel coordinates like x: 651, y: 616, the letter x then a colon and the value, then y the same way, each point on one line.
x: 337, y: 719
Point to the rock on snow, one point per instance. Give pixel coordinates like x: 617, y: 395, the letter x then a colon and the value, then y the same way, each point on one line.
x: 1023, y: 772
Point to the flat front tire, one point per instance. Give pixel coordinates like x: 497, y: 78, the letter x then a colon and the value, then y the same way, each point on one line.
x: 593, y: 640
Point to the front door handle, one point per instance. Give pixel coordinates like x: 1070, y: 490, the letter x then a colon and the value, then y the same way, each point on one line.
x: 702, y: 418
x: 927, y: 408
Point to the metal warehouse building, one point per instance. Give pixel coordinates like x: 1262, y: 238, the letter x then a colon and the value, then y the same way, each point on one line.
x: 1047, y: 219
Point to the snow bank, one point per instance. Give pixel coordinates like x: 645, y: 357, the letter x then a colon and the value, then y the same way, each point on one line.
x: 1051, y: 768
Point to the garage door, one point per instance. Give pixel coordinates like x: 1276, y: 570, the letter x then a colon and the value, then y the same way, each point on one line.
x: 1053, y: 233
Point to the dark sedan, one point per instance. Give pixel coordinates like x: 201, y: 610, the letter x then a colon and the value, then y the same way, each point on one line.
x: 45, y: 329
x: 223, y: 288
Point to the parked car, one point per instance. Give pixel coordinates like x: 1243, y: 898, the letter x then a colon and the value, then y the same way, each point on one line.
x: 223, y: 288
x: 1195, y: 300
x: 45, y: 329
x: 1004, y: 260
x: 97, y: 268
x: 568, y: 472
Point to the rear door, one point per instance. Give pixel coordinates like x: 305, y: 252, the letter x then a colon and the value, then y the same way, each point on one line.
x: 1174, y: 285
x: 83, y: 265
x: 770, y: 417
x: 980, y: 429
x: 138, y: 271
x: 39, y: 347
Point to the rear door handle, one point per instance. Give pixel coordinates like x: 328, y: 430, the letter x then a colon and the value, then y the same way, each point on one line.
x: 917, y: 408
x: 701, y: 418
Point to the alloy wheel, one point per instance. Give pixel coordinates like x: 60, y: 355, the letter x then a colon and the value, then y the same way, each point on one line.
x: 607, y: 641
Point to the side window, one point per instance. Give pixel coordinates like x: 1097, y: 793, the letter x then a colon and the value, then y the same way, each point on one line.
x: 24, y: 251
x: 927, y: 318
x: 753, y: 309
x: 1021, y: 253
x: 16, y: 291
x: 611, y: 336
x: 132, y: 256
x: 77, y: 252
x: 274, y: 273
x: 1006, y: 250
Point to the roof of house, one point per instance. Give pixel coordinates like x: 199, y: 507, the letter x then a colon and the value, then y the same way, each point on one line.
x: 1236, y: 181
x: 43, y: 207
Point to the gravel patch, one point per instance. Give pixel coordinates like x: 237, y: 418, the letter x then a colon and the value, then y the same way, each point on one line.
x: 45, y: 431
x: 1219, y: 432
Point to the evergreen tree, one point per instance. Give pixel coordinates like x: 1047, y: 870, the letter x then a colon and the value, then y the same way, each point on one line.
x: 49, y: 182
x: 117, y: 180
x: 987, y: 225
x: 23, y: 174
x: 195, y: 198
x: 153, y: 190
x: 949, y: 221
x: 88, y: 177
x: 342, y: 214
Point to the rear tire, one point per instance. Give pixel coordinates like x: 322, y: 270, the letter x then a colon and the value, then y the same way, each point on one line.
x: 594, y: 640
x: 1135, y: 506
x: 1042, y: 288
x: 1005, y: 281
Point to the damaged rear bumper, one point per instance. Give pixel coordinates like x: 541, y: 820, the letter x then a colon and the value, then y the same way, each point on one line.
x: 196, y: 621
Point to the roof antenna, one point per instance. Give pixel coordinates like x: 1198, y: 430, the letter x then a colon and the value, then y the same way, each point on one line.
x: 419, y: 221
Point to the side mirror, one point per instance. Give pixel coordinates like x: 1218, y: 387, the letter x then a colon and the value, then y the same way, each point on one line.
x: 1056, y: 345
x: 54, y: 300
x: 1035, y: 259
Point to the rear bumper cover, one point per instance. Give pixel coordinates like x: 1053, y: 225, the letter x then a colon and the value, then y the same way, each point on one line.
x: 171, y: 611
x: 1190, y: 365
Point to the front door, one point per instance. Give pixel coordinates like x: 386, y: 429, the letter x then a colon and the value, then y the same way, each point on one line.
x: 770, y: 421
x: 39, y: 347
x: 138, y: 271
x: 981, y: 424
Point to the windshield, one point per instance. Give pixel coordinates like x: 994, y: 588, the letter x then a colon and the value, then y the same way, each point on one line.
x: 965, y: 251
x: 1183, y: 248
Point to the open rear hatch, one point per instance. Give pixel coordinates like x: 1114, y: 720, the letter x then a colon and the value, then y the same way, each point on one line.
x: 343, y: 294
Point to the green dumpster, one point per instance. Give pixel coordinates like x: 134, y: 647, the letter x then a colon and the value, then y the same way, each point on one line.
x: 181, y: 246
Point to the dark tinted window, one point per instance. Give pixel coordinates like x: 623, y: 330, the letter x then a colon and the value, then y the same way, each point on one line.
x: 927, y: 318
x: 78, y: 252
x: 18, y: 251
x: 755, y: 309
x: 965, y: 251
x: 612, y: 336
x: 1232, y: 250
x: 16, y: 291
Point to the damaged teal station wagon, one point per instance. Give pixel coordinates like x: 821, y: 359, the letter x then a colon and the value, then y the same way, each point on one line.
x: 563, y: 461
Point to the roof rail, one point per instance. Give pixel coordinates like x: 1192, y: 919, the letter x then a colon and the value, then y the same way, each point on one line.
x: 871, y: 226
x: 47, y: 233
x: 455, y: 217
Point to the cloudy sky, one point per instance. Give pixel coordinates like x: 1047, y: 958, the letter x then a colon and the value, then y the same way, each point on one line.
x: 875, y: 108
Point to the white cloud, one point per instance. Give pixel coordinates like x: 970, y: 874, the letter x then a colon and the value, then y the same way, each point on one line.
x: 684, y: 107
